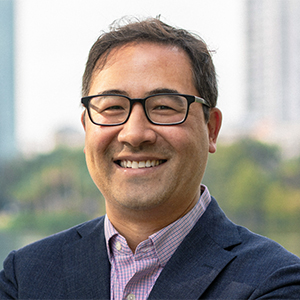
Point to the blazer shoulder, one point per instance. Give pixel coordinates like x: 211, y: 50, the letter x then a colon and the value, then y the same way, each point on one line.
x: 39, y: 268
x: 243, y: 242
x: 240, y: 264
x: 264, y: 250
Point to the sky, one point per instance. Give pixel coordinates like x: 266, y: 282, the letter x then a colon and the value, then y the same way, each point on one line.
x: 53, y: 38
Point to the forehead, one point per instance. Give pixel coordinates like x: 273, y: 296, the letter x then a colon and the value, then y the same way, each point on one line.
x: 147, y: 59
x: 120, y: 53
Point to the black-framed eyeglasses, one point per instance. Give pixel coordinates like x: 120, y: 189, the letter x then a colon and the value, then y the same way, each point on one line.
x: 160, y: 109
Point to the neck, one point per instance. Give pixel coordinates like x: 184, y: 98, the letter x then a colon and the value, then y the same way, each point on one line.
x: 137, y: 225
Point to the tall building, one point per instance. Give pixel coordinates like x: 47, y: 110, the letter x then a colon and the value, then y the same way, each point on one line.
x: 273, y: 71
x: 7, y: 103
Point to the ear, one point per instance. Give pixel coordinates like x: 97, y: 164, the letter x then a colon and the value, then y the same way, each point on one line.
x: 83, y: 119
x: 214, y: 125
x: 83, y: 123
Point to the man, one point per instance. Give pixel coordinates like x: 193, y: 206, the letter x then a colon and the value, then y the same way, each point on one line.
x: 150, y: 121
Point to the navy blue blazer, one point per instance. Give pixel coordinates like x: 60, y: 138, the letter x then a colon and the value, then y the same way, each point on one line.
x: 217, y: 260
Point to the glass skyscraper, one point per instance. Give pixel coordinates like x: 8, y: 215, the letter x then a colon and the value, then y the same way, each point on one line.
x: 7, y: 99
x: 273, y: 72
x: 273, y: 53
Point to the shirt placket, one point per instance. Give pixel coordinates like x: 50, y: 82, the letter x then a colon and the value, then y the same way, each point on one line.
x: 145, y: 266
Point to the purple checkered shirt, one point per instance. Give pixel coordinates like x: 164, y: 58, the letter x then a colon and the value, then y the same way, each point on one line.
x: 134, y: 275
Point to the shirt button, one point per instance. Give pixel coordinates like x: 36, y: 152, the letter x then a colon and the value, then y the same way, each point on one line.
x: 118, y: 246
x: 130, y: 297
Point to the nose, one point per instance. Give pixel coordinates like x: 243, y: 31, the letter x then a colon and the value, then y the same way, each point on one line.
x: 137, y: 130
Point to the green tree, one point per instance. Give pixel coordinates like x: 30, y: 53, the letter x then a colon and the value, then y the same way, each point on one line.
x: 53, y: 182
x: 239, y: 175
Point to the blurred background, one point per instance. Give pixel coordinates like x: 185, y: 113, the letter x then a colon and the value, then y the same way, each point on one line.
x: 255, y: 174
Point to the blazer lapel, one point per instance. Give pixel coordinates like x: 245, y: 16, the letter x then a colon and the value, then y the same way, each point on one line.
x: 199, y: 259
x: 86, y: 264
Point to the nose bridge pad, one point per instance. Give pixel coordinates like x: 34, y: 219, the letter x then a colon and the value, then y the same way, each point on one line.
x: 138, y: 103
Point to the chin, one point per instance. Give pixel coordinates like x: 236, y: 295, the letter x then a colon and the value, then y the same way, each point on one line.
x: 140, y: 203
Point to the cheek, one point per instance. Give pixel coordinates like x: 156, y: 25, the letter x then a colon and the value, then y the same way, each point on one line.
x: 99, y: 143
x: 194, y: 149
x: 188, y: 138
x: 98, y: 138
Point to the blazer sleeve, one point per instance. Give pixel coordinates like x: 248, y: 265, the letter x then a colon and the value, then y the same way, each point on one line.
x: 8, y: 282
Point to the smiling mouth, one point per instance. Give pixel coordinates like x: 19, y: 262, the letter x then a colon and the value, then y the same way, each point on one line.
x: 139, y: 164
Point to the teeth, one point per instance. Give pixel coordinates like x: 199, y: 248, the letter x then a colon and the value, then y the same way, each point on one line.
x: 140, y: 164
x: 135, y: 165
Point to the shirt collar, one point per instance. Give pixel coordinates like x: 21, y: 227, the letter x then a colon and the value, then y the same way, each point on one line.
x: 167, y: 240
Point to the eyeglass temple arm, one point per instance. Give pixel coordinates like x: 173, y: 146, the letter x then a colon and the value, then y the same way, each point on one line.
x: 201, y: 100
x: 94, y: 108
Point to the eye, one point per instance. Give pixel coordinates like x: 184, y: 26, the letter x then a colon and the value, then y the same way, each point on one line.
x: 109, y: 104
x: 162, y: 107
x: 166, y: 104
x: 114, y: 107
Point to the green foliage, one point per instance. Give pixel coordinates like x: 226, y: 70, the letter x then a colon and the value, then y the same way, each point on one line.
x: 255, y: 187
x: 290, y: 173
x: 45, y: 223
x: 58, y: 181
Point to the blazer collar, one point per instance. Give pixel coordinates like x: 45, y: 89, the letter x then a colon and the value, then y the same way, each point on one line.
x: 199, y: 259
x: 86, y: 263
x: 195, y: 264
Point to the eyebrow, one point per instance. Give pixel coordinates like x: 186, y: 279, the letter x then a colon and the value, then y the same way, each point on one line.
x: 113, y: 91
x: 152, y: 92
x: 162, y: 91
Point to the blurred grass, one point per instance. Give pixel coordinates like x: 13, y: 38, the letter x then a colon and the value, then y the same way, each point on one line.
x: 45, y: 223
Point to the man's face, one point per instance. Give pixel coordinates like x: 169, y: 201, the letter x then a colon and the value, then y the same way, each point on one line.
x: 178, y: 152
